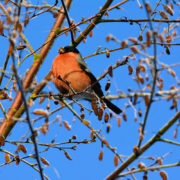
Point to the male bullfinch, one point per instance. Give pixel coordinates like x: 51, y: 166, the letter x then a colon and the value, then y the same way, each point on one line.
x: 72, y: 77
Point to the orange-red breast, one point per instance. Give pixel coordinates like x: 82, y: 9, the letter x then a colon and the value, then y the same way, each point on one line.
x: 72, y: 77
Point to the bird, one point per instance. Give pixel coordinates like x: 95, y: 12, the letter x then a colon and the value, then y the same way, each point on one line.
x: 72, y: 77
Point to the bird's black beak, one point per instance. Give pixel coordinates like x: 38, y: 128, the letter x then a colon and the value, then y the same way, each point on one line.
x: 61, y: 50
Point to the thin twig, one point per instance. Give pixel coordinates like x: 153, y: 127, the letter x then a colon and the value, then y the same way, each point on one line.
x: 19, y: 82
x: 139, y: 20
x: 3, y: 110
x: 22, y: 159
x: 169, y: 141
x: 150, y: 169
x: 43, y: 11
x: 5, y: 64
x: 85, y: 141
x: 154, y: 74
x: 117, y: 5
x: 157, y: 4
x: 69, y: 22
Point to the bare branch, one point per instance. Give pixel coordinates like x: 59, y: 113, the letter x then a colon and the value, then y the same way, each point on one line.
x: 144, y: 147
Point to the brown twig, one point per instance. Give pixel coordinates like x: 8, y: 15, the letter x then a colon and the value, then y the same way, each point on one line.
x: 5, y: 63
x: 117, y: 5
x: 22, y: 159
x: 93, y: 23
x: 46, y: 10
x: 150, y: 169
x: 139, y: 20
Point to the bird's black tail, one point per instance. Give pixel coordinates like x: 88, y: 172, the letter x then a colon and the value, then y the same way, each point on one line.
x: 111, y: 106
x: 97, y: 89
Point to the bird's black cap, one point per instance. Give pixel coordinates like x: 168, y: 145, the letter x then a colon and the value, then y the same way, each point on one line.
x: 67, y: 49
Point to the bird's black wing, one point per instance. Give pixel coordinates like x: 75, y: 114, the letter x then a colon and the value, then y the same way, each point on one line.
x: 97, y: 87
x: 95, y: 84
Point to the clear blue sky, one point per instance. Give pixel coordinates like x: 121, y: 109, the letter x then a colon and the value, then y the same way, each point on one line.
x: 85, y: 164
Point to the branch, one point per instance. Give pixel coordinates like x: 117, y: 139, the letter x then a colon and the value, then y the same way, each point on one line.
x: 144, y: 148
x: 5, y: 64
x: 21, y: 89
x: 6, y: 126
x: 54, y: 145
x: 93, y: 23
x: 150, y: 169
x: 139, y: 20
x: 68, y: 20
x: 43, y: 11
x: 26, y: 162
x: 163, y: 93
x: 117, y: 5
x: 154, y: 74
x: 169, y: 141
x: 154, y: 10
